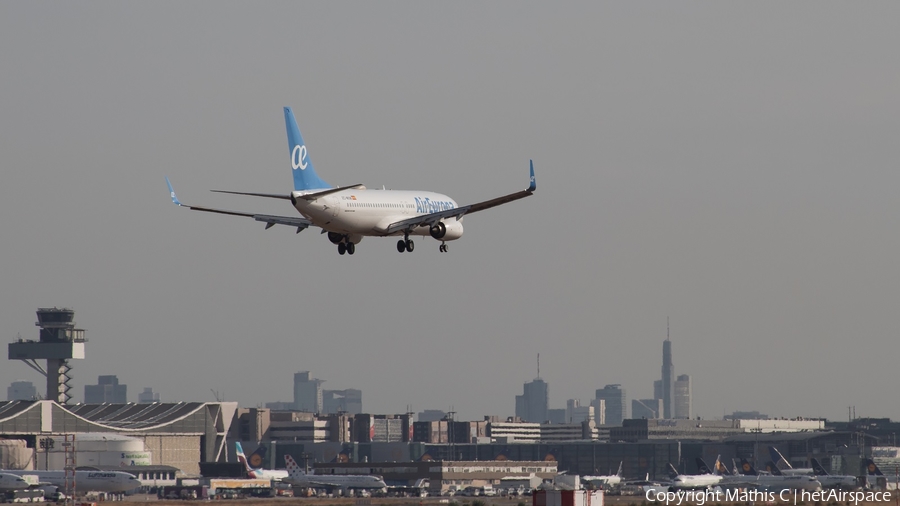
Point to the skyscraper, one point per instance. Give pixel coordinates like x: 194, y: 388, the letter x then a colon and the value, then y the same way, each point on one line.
x: 21, y: 391
x: 532, y: 405
x: 668, y: 378
x: 307, y: 393
x: 107, y: 389
x: 342, y: 401
x: 683, y: 397
x: 614, y: 397
x: 148, y: 396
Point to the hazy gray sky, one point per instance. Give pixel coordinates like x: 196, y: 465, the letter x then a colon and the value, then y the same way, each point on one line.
x: 730, y: 165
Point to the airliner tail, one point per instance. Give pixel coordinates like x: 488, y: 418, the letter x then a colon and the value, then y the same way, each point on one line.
x: 305, y: 177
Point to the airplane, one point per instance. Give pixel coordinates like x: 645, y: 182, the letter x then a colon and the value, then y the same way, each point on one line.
x: 843, y: 482
x: 785, y: 467
x: 694, y: 481
x: 605, y: 481
x: 349, y: 213
x: 258, y: 472
x: 749, y: 476
x: 93, y: 481
x: 781, y: 466
x: 875, y: 479
x: 298, y: 477
x: 12, y: 482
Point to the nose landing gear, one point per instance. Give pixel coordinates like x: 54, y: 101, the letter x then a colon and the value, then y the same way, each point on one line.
x: 443, y: 247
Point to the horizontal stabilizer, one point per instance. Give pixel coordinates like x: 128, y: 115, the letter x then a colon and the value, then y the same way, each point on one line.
x: 314, y: 196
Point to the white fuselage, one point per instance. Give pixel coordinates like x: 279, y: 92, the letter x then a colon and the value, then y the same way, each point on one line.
x: 606, y: 481
x: 268, y: 474
x: 87, y: 481
x: 336, y: 481
x: 798, y: 482
x: 693, y: 482
x: 12, y: 482
x: 365, y: 212
x: 837, y: 481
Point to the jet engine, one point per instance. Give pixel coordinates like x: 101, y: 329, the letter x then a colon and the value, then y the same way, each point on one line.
x: 335, y: 237
x: 446, y: 231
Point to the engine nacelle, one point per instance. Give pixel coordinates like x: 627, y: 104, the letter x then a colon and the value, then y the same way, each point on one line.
x: 446, y: 230
x: 335, y: 237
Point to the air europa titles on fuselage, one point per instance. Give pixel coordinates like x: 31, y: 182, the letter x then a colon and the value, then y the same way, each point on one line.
x: 426, y: 205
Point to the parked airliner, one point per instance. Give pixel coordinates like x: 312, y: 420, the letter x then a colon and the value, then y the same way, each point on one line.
x: 296, y: 476
x: 750, y: 476
x: 604, y: 481
x: 707, y: 479
x: 87, y: 481
x: 12, y: 482
x: 349, y: 213
x: 258, y: 472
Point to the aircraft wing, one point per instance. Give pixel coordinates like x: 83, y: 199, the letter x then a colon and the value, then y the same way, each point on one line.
x: 487, y: 204
x: 431, y: 219
x: 269, y: 220
x: 426, y: 219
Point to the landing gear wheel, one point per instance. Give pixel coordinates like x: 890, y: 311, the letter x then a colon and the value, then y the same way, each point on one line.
x: 342, y: 248
x: 401, y: 245
x: 410, y: 246
x: 443, y: 248
x: 351, y: 248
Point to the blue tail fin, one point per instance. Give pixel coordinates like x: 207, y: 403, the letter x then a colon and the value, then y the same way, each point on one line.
x: 872, y: 469
x: 747, y: 468
x: 817, y: 467
x: 305, y: 177
x: 702, y: 468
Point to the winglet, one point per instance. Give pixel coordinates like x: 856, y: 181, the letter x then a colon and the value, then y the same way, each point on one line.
x: 172, y: 192
x: 532, y: 186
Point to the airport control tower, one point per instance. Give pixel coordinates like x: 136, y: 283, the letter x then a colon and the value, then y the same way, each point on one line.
x: 59, y: 342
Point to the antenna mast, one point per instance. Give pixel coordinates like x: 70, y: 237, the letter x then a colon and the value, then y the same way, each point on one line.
x: 539, y: 366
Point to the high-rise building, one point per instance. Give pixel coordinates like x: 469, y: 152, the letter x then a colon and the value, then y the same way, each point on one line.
x: 21, y: 391
x: 307, y: 393
x: 668, y: 379
x: 431, y: 415
x: 107, y: 390
x: 556, y: 415
x: 576, y: 413
x: 599, y: 406
x: 683, y: 397
x: 614, y: 396
x: 533, y: 404
x: 342, y: 401
x: 148, y: 396
x: 646, y: 408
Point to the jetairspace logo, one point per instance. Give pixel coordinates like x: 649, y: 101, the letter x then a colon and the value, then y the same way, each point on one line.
x: 426, y: 205
x: 701, y: 497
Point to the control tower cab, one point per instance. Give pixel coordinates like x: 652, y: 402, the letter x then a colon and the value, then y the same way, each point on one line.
x: 59, y: 342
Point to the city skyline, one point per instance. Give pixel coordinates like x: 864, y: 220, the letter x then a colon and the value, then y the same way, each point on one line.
x: 731, y: 165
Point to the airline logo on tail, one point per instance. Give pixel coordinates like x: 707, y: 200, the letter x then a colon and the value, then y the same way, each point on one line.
x: 298, y: 157
x: 292, y: 467
x: 239, y: 450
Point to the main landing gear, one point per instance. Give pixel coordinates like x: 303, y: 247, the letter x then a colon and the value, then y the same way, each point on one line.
x: 346, y: 247
x: 405, y: 244
x: 443, y: 247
